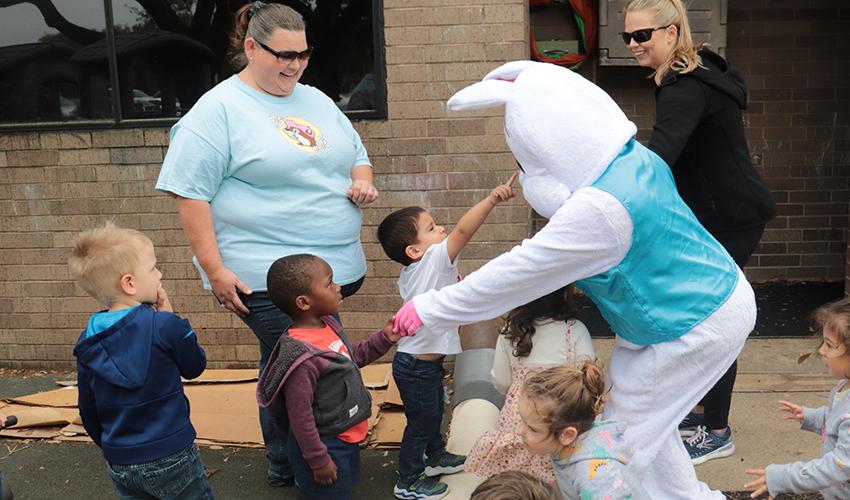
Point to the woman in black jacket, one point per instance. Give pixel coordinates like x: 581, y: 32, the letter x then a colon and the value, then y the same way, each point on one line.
x: 700, y: 134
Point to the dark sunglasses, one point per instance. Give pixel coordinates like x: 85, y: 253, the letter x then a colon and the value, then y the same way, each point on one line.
x: 287, y: 55
x: 641, y: 36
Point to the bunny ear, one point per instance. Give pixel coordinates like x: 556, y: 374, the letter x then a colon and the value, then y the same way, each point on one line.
x: 484, y: 94
x: 509, y: 71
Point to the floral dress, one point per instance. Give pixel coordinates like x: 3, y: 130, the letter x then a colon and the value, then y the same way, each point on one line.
x: 500, y: 449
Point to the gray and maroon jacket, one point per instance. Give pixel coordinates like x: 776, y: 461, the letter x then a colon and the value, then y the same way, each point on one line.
x: 320, y: 393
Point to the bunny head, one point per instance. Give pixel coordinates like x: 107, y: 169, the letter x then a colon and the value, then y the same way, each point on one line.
x: 562, y: 129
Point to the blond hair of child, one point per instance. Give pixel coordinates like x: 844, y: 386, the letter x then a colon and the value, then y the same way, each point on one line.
x: 102, y: 255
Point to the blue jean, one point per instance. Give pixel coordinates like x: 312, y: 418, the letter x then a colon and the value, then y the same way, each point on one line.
x: 420, y: 385
x: 346, y: 456
x: 179, y: 476
x: 268, y: 322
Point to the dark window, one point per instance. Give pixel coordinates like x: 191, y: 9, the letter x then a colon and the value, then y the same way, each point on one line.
x: 59, y: 61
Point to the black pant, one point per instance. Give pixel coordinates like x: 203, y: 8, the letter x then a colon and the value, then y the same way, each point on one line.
x: 740, y: 244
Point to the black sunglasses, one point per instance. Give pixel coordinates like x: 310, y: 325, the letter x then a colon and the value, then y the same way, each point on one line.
x: 287, y: 55
x: 641, y: 36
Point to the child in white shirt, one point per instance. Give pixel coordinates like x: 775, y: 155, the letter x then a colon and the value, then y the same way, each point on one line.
x: 411, y: 237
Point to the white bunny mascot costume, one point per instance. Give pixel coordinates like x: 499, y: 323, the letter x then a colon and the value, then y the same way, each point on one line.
x: 618, y: 229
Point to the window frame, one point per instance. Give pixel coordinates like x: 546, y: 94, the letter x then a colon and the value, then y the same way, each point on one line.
x: 118, y: 122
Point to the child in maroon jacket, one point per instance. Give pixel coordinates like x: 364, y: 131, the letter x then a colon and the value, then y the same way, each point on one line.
x: 312, y: 378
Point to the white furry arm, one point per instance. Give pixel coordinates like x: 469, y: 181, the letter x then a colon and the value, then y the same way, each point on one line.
x: 589, y: 234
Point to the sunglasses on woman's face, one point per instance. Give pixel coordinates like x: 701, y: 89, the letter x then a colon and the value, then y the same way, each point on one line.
x: 287, y: 55
x: 641, y: 36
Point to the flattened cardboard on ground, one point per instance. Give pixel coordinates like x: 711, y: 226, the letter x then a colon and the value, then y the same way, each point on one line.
x: 376, y: 376
x: 392, y: 397
x: 225, y: 413
x: 389, y: 430
x: 73, y: 429
x: 65, y: 397
x: 224, y: 376
x: 208, y: 377
x: 39, y: 416
x: 31, y: 433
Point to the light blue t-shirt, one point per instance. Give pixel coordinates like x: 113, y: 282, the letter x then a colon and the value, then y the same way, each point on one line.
x: 276, y: 171
x: 100, y: 321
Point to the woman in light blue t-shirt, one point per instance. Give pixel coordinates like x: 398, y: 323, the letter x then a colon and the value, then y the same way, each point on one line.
x: 262, y: 167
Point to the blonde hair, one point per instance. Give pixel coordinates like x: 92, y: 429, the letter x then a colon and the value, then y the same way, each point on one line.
x: 513, y: 485
x: 258, y: 20
x: 684, y: 57
x: 836, y: 317
x: 102, y: 255
x: 568, y: 397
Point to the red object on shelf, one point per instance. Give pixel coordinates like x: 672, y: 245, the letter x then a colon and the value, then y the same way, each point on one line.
x: 584, y: 9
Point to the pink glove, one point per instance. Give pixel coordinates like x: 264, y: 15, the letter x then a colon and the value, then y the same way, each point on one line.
x: 407, y: 320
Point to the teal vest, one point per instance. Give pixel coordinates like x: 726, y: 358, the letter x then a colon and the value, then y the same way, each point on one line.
x: 675, y: 273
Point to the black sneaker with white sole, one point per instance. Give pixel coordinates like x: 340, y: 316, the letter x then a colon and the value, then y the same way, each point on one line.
x: 446, y: 463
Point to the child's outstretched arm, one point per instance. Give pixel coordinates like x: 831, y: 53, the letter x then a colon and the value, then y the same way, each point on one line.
x: 375, y: 345
x: 811, y: 419
x: 831, y: 469
x: 467, y: 226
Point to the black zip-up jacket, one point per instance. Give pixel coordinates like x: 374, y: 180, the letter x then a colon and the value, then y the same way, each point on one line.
x: 699, y: 132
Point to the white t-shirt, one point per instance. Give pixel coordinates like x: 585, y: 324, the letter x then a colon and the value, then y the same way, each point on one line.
x: 554, y: 343
x: 432, y: 272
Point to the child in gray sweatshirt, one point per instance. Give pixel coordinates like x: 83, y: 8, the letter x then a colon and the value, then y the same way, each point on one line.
x: 830, y: 473
x: 558, y: 408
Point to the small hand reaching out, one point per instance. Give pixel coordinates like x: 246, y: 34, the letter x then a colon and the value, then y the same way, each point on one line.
x: 759, y: 485
x: 794, y: 412
x: 389, y: 333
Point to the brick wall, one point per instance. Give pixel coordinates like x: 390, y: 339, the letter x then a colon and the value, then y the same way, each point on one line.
x: 53, y: 184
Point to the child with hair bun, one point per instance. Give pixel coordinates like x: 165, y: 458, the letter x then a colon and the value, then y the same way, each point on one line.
x: 559, y: 407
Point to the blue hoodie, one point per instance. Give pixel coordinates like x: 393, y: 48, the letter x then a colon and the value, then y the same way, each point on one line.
x: 130, y: 394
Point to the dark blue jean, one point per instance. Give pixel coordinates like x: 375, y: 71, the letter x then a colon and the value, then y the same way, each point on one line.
x: 346, y: 456
x: 179, y: 476
x: 268, y: 322
x: 420, y: 385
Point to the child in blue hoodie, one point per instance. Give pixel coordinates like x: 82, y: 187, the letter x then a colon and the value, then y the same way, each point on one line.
x: 129, y: 362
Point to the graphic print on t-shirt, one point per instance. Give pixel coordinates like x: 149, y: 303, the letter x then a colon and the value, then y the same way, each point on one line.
x: 301, y: 133
x: 324, y: 338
